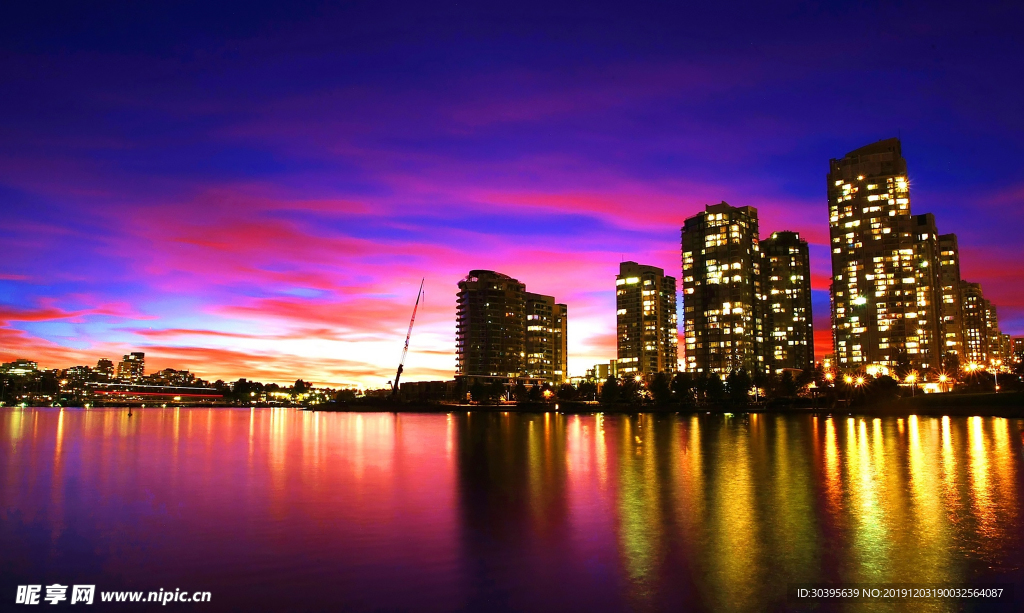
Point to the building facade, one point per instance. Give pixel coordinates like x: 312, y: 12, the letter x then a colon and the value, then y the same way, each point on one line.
x: 105, y: 368
x: 975, y: 324
x: 994, y: 351
x: 545, y: 339
x: 504, y: 333
x: 132, y: 367
x: 951, y: 310
x: 647, y: 334
x: 789, y: 330
x: 722, y: 291
x: 490, y: 326
x: 885, y: 283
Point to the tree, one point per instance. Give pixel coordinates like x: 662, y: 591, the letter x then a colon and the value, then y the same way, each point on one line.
x: 567, y: 392
x: 300, y: 387
x: 683, y: 387
x: 806, y: 377
x: 661, y: 388
x: 477, y: 391
x: 739, y: 385
x: 495, y: 391
x: 587, y: 390
x: 787, y: 385
x: 520, y: 392
x: 714, y: 388
x: 610, y: 391
x: 882, y: 389
x: 629, y: 391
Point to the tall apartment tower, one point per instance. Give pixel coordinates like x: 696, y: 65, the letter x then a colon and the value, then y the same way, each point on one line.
x: 561, y: 344
x: 132, y: 367
x: 885, y: 283
x: 975, y: 324
x: 545, y: 338
x: 490, y: 326
x: 648, y: 333
x: 105, y: 368
x: 993, y: 336
x: 722, y: 291
x: 951, y: 310
x: 789, y: 331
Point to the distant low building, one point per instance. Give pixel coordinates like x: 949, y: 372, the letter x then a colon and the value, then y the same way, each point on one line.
x: 427, y: 391
x: 19, y: 368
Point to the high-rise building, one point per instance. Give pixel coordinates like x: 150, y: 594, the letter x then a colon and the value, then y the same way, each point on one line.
x: 1017, y: 349
x: 105, y: 368
x: 491, y: 326
x: 132, y: 367
x: 993, y: 337
x: 885, y: 283
x: 975, y: 324
x: 952, y: 304
x: 545, y: 338
x: 647, y: 330
x: 722, y: 293
x: 789, y: 332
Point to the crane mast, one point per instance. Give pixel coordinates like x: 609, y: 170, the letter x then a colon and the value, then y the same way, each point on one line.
x: 408, y: 335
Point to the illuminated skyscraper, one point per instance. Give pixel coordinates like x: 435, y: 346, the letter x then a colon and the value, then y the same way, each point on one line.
x: 993, y: 336
x: 105, y: 368
x: 132, y: 367
x: 789, y: 333
x: 952, y: 303
x: 975, y: 327
x: 722, y: 291
x: 885, y: 281
x: 647, y: 330
x: 490, y: 327
x: 545, y: 338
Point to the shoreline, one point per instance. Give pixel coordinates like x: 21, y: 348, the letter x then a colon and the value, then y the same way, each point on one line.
x: 1007, y: 404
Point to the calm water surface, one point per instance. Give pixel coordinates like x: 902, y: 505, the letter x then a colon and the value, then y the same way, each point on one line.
x: 277, y: 509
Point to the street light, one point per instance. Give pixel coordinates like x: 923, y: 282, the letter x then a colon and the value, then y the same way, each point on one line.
x: 995, y: 372
x: 912, y: 380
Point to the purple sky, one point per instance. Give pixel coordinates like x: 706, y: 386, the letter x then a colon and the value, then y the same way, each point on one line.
x: 256, y: 191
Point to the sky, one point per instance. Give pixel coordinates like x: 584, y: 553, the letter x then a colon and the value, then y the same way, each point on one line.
x: 249, y: 190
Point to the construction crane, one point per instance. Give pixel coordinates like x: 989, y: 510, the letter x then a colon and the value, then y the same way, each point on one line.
x: 408, y: 335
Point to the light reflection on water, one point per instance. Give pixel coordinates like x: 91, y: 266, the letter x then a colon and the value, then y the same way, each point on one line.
x: 281, y: 509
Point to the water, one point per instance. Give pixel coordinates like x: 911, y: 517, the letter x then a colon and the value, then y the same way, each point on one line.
x: 282, y: 510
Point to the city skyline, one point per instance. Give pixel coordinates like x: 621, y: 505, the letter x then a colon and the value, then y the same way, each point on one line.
x: 953, y: 327
x: 226, y: 216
